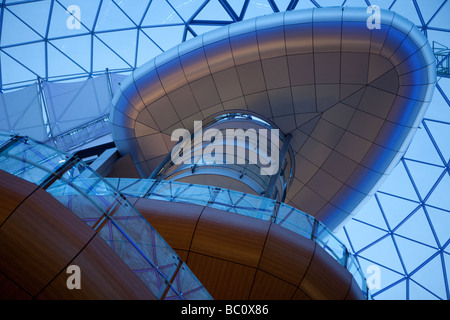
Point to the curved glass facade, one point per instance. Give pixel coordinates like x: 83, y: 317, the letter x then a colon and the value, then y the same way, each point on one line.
x: 403, y: 230
x: 247, y: 205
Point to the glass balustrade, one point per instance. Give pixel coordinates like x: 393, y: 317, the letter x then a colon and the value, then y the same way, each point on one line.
x: 95, y: 201
x: 101, y: 203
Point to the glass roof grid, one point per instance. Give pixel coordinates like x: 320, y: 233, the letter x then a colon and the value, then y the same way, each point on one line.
x: 424, y: 264
x: 433, y: 140
x: 390, y: 234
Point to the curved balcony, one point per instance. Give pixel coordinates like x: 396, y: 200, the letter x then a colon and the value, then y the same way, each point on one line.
x: 107, y: 212
x: 248, y: 205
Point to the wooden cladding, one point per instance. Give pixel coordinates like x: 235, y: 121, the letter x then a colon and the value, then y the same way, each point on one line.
x: 239, y: 257
x: 40, y: 238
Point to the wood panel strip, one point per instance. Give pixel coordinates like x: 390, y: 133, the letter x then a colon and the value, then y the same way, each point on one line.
x: 14, y: 191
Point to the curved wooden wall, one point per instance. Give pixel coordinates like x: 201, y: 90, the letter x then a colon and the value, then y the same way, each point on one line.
x: 40, y: 238
x: 239, y: 257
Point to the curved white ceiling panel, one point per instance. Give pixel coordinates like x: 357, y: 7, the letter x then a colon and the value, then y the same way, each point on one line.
x: 350, y: 95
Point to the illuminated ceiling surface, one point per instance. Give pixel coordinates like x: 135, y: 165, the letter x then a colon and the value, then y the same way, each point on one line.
x: 403, y: 230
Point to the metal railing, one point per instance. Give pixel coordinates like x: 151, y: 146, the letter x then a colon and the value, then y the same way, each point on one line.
x: 96, y: 202
x: 249, y: 205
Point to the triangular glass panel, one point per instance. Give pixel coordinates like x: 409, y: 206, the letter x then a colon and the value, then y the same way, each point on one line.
x: 355, y: 3
x: 105, y: 58
x: 395, y: 209
x: 428, y: 8
x: 434, y: 283
x: 88, y: 10
x: 438, y: 109
x: 399, y: 184
x: 63, y: 23
x: 282, y: 4
x: 31, y: 55
x: 417, y: 227
x: 384, y: 253
x: 396, y: 292
x: 166, y: 37
x: 441, y: 37
x: 35, y: 14
x: 237, y: 6
x: 112, y: 18
x: 441, y: 20
x: 444, y: 84
x: 213, y: 11
x: 413, y: 254
x: 418, y: 292
x: 440, y: 196
x: 387, y: 276
x: 14, y: 31
x: 362, y: 234
x: 60, y: 65
x: 186, y: 9
x: 422, y: 148
x: 122, y: 42
x: 440, y: 220
x: 147, y: 49
x: 257, y: 8
x: 407, y: 10
x: 161, y: 13
x: 446, y: 256
x: 424, y: 175
x: 329, y: 3
x: 441, y: 134
x: 201, y: 29
x: 189, y: 35
x: 305, y: 5
x: 77, y: 48
x: 13, y: 72
x: 134, y: 9
x: 371, y: 214
x: 384, y: 4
